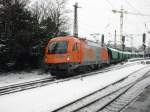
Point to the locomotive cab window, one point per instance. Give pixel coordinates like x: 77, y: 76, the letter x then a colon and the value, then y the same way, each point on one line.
x: 57, y: 47
x: 75, y: 47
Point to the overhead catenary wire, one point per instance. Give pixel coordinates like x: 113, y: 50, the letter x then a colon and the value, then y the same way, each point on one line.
x: 112, y: 6
x: 83, y: 1
x: 139, y: 13
x: 132, y: 6
x: 147, y: 3
x: 136, y: 9
x: 93, y: 27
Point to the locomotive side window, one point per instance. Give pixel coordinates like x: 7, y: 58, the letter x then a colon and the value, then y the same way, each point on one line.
x: 75, y: 47
x: 57, y: 47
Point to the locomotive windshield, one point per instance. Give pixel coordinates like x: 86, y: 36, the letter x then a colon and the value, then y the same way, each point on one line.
x: 57, y: 47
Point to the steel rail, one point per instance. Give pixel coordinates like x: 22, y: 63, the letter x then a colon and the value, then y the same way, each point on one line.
x: 46, y: 81
x: 127, y: 98
x: 75, y: 105
x: 24, y: 86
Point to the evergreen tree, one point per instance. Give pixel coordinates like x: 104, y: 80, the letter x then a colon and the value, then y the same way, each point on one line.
x: 24, y: 32
x: 16, y: 22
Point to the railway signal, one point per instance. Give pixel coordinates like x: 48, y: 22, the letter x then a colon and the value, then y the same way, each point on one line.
x: 122, y: 12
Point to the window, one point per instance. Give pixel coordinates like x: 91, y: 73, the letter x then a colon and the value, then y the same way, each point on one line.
x: 57, y: 47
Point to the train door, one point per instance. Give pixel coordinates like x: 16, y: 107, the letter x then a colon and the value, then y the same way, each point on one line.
x: 104, y: 55
x: 76, y: 52
x: 79, y: 51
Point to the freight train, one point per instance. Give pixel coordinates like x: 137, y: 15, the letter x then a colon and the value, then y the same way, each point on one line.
x: 67, y: 54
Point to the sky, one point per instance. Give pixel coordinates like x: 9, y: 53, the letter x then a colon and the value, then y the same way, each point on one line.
x: 96, y: 16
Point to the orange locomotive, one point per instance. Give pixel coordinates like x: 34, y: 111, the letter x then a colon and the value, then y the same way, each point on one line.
x: 69, y: 53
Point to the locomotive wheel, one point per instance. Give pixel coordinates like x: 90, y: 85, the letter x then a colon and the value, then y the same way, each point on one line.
x: 96, y: 66
x: 69, y: 72
x: 53, y: 73
x: 63, y: 74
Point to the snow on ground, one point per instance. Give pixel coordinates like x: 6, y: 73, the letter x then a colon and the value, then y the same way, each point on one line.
x: 20, y: 77
x: 14, y: 78
x: 50, y: 97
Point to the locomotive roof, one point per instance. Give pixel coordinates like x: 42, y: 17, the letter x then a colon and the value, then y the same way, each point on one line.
x: 63, y: 38
x: 88, y: 42
x: 91, y: 43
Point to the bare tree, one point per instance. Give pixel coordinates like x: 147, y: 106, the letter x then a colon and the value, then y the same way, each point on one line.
x: 54, y: 11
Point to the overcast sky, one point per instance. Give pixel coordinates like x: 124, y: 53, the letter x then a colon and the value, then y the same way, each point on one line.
x: 96, y: 16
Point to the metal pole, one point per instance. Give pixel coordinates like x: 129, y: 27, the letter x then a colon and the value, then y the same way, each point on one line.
x: 115, y: 43
x: 121, y: 26
x: 132, y: 44
x: 75, y: 29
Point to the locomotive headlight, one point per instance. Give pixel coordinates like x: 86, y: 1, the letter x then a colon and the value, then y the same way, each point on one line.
x: 68, y: 58
x: 46, y: 59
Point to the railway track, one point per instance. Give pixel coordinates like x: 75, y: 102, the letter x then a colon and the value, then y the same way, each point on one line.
x: 107, y: 69
x: 24, y: 86
x: 42, y: 82
x: 112, y: 98
x: 124, y: 100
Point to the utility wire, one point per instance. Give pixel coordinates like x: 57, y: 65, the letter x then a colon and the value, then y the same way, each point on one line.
x: 138, y: 12
x: 83, y: 1
x: 147, y: 2
x: 112, y: 6
x: 132, y: 6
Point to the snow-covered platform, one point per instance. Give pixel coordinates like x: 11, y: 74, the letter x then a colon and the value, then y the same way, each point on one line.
x: 50, y: 97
